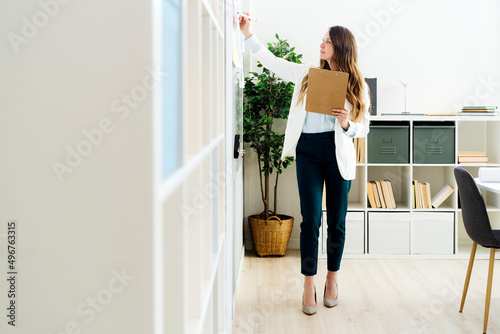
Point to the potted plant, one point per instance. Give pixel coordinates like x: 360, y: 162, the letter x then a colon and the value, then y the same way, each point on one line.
x: 267, y: 98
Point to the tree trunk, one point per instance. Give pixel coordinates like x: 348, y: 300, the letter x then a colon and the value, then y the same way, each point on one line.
x: 266, y: 162
x: 261, y: 184
x: 264, y: 190
x: 266, y: 201
x: 276, y: 195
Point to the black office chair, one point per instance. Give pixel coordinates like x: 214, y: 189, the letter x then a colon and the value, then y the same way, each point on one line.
x: 478, y: 227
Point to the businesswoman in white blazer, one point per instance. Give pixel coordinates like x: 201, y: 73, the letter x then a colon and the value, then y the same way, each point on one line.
x: 324, y: 151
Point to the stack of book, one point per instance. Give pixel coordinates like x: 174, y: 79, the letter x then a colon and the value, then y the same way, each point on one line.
x: 381, y: 194
x: 359, y: 145
x: 479, y: 111
x: 422, y: 198
x: 472, y: 158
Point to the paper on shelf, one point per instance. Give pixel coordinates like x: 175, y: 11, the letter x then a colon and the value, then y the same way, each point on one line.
x: 489, y: 174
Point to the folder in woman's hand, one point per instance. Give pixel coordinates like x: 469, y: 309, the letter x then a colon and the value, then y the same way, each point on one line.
x: 326, y: 90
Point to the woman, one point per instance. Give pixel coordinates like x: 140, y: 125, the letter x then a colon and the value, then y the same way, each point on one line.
x: 324, y: 151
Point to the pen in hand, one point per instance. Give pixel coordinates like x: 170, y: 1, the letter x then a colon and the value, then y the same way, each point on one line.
x: 246, y: 16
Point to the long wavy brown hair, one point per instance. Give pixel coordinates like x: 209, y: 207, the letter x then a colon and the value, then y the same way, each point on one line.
x: 344, y: 59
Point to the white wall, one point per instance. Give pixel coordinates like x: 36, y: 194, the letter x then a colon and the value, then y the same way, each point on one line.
x: 76, y: 230
x: 448, y: 50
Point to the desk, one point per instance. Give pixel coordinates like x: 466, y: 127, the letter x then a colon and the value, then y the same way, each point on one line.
x: 490, y: 186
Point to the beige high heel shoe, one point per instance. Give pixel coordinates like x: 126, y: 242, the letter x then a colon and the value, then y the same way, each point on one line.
x: 330, y: 302
x: 310, y: 310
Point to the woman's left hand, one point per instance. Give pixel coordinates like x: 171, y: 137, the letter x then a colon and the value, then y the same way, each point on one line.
x: 342, y: 117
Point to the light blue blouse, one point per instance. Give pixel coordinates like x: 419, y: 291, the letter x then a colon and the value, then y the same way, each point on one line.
x: 316, y: 123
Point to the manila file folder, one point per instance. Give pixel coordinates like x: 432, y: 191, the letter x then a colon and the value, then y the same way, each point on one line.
x: 326, y: 90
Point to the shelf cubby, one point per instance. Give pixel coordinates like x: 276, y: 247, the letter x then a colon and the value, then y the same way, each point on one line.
x: 437, y: 177
x: 479, y: 136
x: 491, y: 199
x: 399, y: 176
x: 357, y: 194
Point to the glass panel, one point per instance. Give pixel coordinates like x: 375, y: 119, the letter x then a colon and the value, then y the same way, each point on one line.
x: 172, y: 87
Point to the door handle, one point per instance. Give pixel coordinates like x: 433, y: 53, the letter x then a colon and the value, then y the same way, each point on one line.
x: 236, y: 150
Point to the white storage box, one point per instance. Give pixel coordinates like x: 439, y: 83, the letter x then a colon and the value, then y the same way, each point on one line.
x: 355, y: 234
x: 432, y: 233
x: 389, y: 233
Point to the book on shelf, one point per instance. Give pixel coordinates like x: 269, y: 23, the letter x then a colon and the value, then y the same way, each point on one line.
x: 390, y: 189
x: 362, y: 151
x: 471, y: 154
x: 385, y: 192
x: 416, y: 195
x: 478, y: 111
x: 371, y: 195
x: 421, y: 195
x: 427, y: 198
x: 375, y: 192
x: 356, y: 143
x: 480, y: 108
x: 413, y: 195
x: 441, y: 196
x: 381, y: 194
x: 473, y: 160
x: 472, y: 157
x: 359, y: 146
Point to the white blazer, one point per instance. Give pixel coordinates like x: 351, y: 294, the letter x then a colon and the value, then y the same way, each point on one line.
x: 344, y: 146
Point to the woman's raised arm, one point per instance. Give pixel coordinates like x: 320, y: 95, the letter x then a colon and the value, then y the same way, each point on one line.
x: 284, y: 69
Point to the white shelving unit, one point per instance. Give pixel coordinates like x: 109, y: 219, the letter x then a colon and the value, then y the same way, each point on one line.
x: 191, y: 202
x: 418, y: 238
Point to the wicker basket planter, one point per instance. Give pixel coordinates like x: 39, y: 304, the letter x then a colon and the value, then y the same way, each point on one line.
x: 271, y: 236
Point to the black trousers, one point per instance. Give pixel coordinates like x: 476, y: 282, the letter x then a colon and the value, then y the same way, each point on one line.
x: 317, y: 166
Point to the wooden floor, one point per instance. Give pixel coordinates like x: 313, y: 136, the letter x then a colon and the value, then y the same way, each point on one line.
x: 375, y: 296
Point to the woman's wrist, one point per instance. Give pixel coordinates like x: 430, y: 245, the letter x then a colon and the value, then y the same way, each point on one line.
x: 247, y: 35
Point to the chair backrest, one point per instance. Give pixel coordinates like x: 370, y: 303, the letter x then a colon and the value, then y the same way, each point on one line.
x: 474, y: 214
